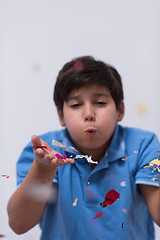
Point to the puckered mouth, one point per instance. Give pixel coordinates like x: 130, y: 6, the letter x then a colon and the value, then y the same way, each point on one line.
x: 90, y: 130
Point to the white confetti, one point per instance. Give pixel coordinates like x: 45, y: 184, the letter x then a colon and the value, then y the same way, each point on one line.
x: 123, y: 184
x: 153, y: 179
x: 42, y: 192
x: 154, y: 169
x: 88, y: 158
x: 61, y: 145
x: 135, y: 151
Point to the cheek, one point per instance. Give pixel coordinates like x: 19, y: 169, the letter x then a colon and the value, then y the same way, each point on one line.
x: 73, y: 124
x: 71, y: 117
x: 108, y: 116
x: 108, y: 121
x: 74, y: 132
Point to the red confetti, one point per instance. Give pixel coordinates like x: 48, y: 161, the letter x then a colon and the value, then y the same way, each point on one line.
x: 4, y: 175
x: 89, y: 193
x: 124, y: 159
x: 78, y: 65
x: 36, y: 67
x: 1, y: 235
x: 110, y: 198
x: 124, y: 210
x: 98, y: 215
x: 42, y: 147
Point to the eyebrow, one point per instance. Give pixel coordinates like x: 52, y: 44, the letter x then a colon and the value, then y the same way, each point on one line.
x: 101, y: 95
x: 94, y: 95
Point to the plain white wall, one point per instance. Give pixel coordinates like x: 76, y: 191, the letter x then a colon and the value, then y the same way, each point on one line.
x: 37, y: 37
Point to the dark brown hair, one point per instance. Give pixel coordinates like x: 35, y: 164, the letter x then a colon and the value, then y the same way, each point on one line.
x: 87, y: 70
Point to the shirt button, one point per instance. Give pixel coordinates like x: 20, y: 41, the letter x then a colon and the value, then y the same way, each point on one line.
x: 88, y: 183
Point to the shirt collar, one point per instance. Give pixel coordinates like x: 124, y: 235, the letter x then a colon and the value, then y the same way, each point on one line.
x: 66, y: 140
x: 115, y: 151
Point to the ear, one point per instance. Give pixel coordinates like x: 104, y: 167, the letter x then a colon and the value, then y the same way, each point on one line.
x: 61, y: 118
x: 121, y: 111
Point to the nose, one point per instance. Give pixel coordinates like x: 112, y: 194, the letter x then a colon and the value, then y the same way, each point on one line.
x: 89, y: 113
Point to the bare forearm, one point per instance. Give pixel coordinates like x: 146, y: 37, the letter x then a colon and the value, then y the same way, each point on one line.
x: 24, y: 211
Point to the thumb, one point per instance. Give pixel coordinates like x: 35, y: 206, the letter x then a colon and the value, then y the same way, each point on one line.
x: 35, y: 140
x: 38, y: 143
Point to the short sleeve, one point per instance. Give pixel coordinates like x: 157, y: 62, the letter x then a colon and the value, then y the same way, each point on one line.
x: 148, y: 152
x: 25, y: 162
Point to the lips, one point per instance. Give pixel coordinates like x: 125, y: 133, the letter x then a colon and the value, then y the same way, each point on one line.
x: 90, y: 131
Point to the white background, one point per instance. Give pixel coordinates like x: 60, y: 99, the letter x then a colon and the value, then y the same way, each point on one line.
x: 37, y: 37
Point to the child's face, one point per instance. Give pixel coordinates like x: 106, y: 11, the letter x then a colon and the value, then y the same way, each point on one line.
x: 90, y: 116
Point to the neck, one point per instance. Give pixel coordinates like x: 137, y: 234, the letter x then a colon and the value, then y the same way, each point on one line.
x: 96, y: 154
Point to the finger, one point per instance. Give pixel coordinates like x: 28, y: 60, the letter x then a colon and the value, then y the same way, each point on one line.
x: 70, y: 161
x: 36, y: 141
x: 42, y: 147
x: 61, y: 161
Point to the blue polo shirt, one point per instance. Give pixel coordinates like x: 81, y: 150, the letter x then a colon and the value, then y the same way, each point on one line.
x: 127, y: 218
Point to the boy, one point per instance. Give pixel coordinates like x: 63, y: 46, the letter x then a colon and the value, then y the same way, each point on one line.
x: 89, y: 99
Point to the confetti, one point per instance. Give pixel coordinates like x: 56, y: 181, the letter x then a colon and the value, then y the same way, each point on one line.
x: 124, y: 159
x: 142, y: 107
x: 110, y: 198
x: 88, y: 158
x: 153, y: 179
x: 158, y: 167
x: 98, y: 215
x: 41, y: 192
x: 124, y: 210
x: 36, y: 67
x: 155, y: 162
x: 61, y: 145
x: 4, y: 175
x: 123, y: 183
x: 135, y: 151
x: 122, y: 226
x: 1, y: 235
x: 42, y: 147
x: 60, y: 156
x: 154, y: 169
x: 75, y: 202
x: 89, y: 193
x: 78, y: 65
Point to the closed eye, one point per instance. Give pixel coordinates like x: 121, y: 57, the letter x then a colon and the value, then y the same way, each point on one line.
x: 100, y: 103
x: 75, y: 105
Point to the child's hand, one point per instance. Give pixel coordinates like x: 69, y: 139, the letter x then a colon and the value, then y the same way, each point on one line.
x: 45, y: 155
